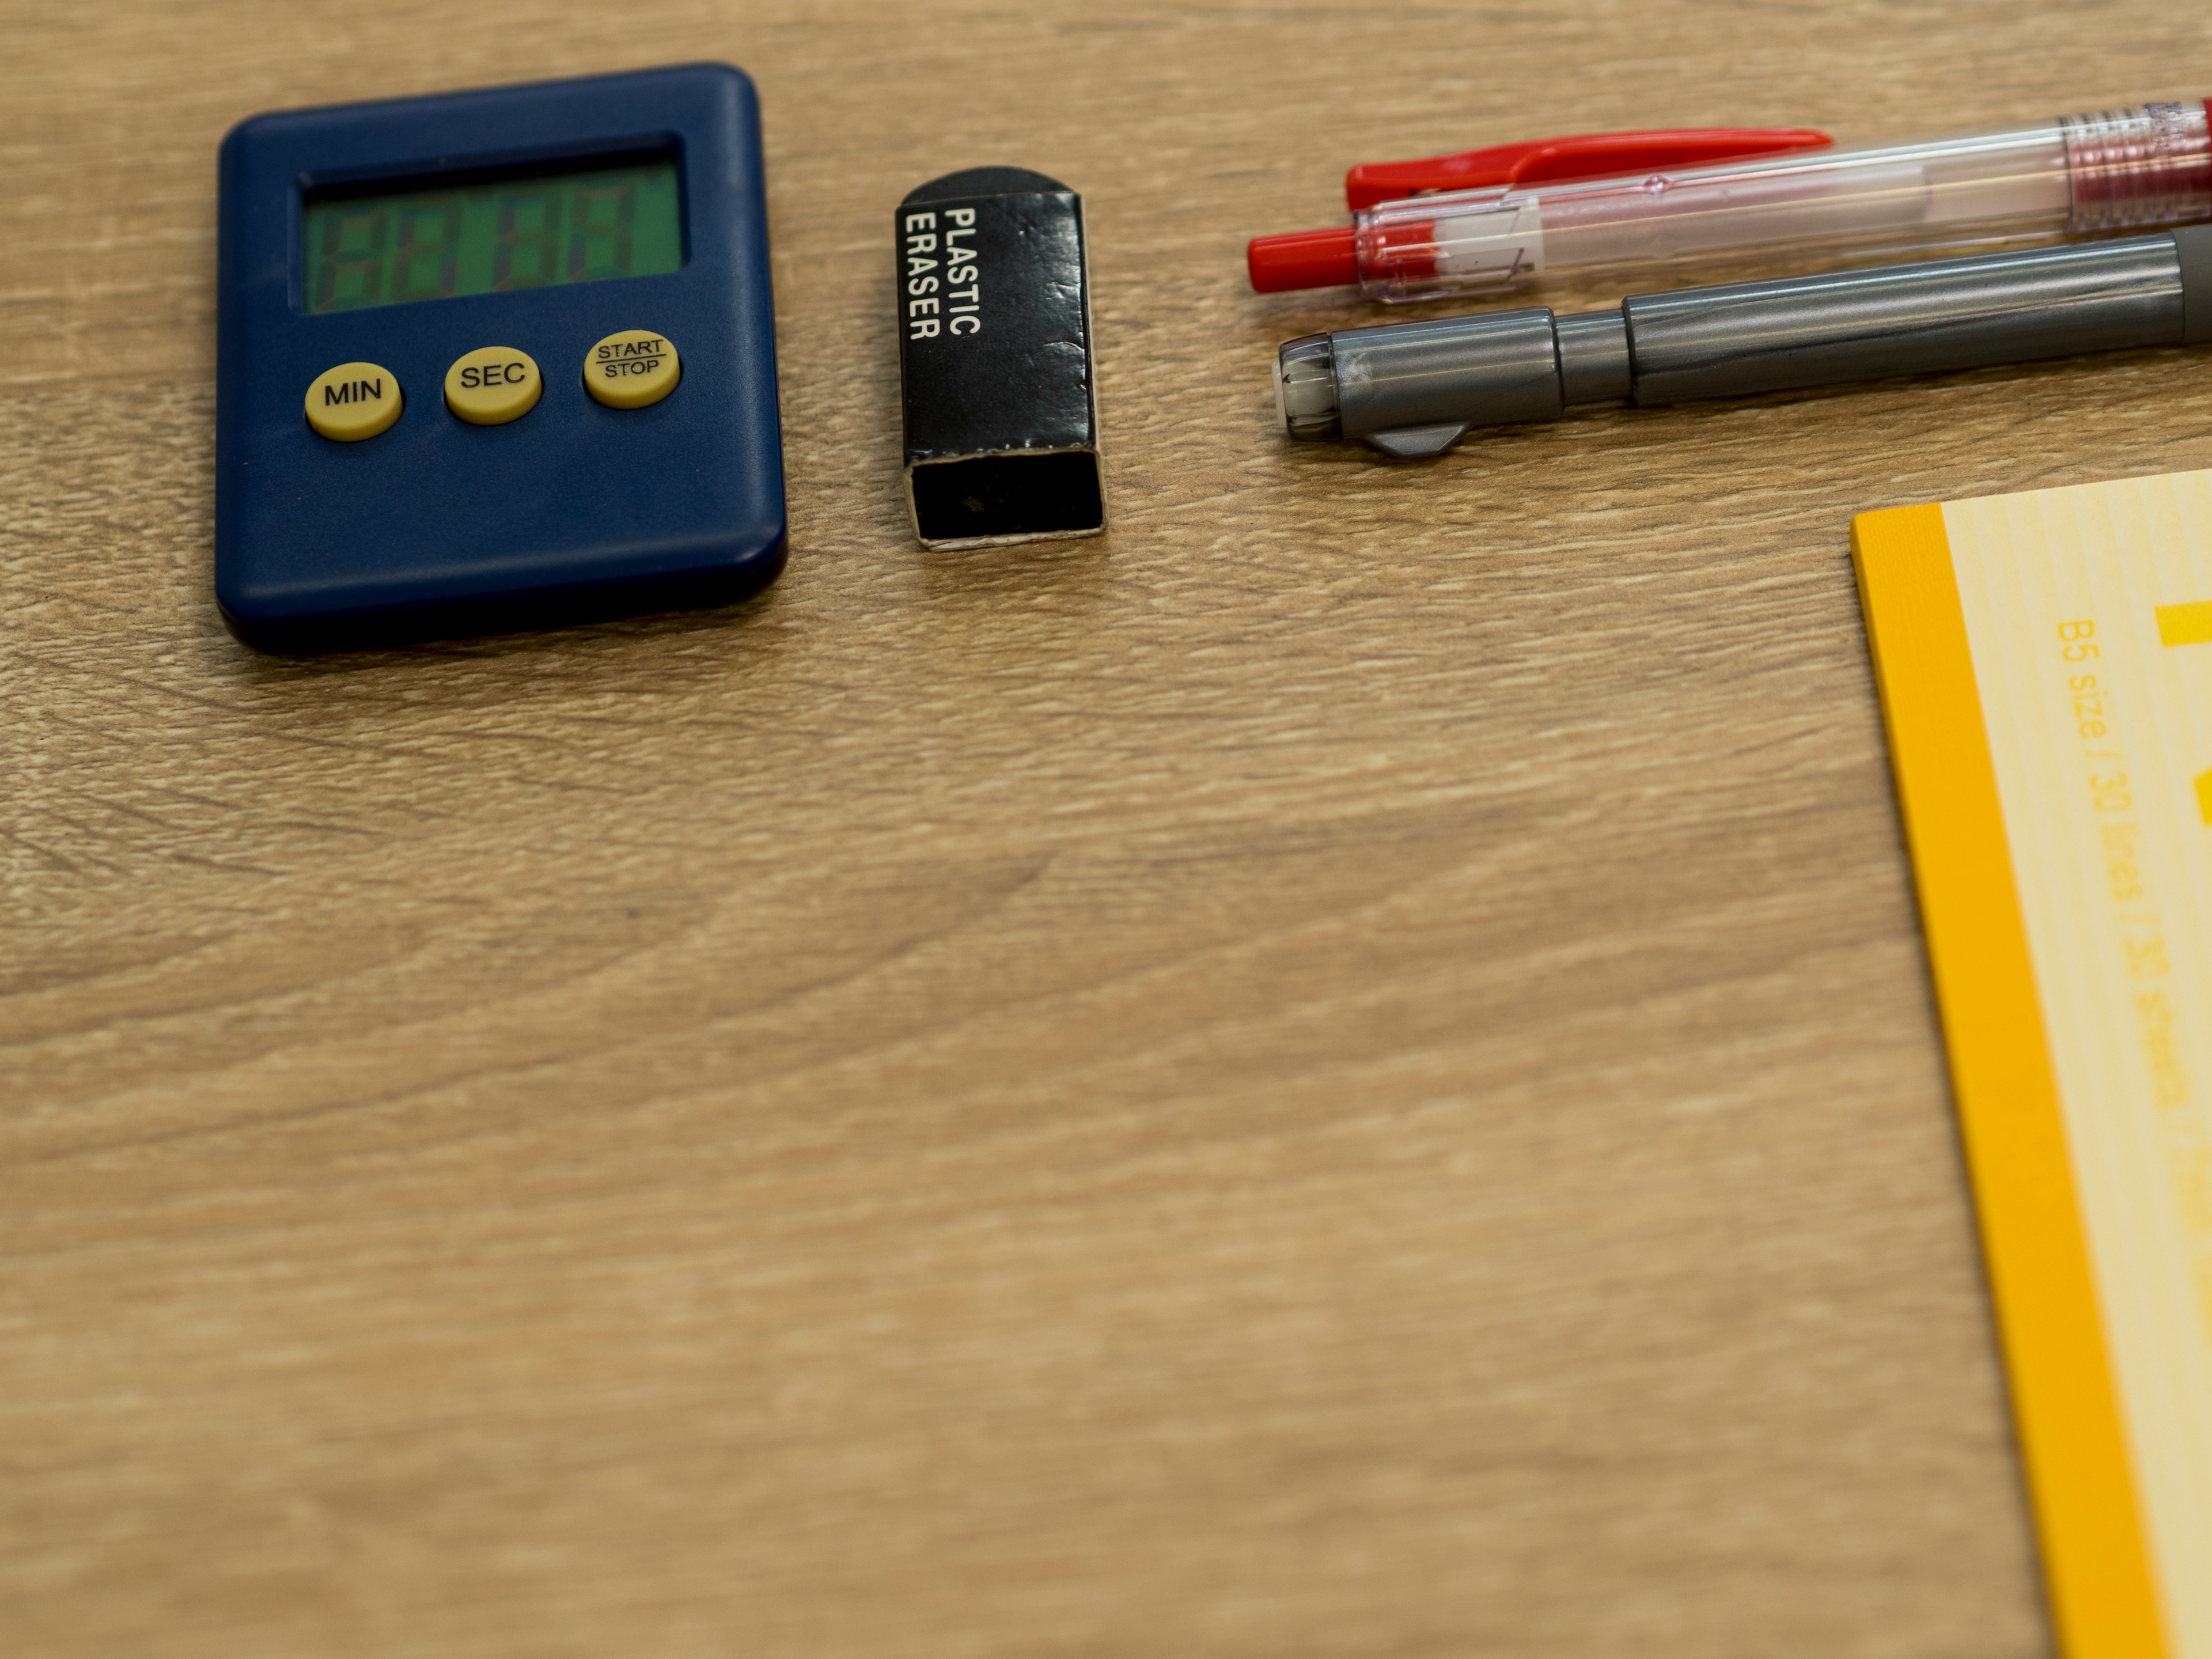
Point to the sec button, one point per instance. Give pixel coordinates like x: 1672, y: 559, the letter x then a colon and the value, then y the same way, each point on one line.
x: 493, y: 384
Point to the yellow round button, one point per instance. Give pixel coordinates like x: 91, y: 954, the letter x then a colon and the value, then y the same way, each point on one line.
x: 353, y: 401
x: 633, y: 368
x: 493, y: 384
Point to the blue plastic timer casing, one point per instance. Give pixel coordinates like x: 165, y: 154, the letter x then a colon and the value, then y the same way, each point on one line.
x: 574, y: 511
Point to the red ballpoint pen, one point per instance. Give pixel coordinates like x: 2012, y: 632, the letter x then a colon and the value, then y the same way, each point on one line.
x: 1492, y: 219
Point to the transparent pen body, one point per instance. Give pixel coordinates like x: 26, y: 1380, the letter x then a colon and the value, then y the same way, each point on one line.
x: 2114, y: 169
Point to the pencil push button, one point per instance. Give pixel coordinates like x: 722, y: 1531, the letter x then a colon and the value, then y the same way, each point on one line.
x: 353, y: 401
x: 493, y: 384
x: 633, y: 368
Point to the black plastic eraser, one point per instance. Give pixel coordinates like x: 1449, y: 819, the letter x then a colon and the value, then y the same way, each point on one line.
x: 994, y: 360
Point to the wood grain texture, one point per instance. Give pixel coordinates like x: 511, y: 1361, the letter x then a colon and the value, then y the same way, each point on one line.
x: 1343, y: 1071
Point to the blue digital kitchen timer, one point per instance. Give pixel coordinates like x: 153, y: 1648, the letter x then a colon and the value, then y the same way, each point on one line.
x: 496, y: 360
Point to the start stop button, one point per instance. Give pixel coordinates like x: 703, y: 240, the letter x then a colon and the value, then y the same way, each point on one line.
x: 631, y: 370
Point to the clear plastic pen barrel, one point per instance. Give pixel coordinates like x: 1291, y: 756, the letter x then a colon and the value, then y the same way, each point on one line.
x: 2110, y: 170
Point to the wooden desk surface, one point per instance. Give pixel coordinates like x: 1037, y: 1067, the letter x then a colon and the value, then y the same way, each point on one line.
x: 1346, y: 1071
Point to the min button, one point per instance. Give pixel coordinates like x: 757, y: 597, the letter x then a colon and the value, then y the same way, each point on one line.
x: 631, y: 370
x: 493, y: 384
x: 353, y: 401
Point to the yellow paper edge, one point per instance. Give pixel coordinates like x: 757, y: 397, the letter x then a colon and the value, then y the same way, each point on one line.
x: 2066, y: 1410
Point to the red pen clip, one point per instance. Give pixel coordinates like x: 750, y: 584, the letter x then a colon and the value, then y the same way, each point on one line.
x: 1578, y: 155
x: 1326, y: 259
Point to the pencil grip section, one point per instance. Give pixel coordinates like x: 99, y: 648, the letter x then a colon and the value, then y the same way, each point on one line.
x: 1948, y: 314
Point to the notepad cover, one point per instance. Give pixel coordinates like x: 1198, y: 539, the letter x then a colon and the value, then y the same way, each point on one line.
x: 2044, y: 663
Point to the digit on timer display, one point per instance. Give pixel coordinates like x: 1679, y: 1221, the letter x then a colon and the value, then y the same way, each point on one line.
x: 492, y: 237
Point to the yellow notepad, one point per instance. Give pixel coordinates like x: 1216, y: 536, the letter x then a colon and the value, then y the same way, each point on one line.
x: 2045, y: 666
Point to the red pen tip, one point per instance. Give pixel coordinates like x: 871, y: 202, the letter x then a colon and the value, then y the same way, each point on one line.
x: 1304, y: 258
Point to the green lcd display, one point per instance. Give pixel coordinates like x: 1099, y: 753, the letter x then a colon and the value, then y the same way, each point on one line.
x: 492, y: 236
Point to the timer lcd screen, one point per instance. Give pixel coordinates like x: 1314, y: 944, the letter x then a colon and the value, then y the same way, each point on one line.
x: 491, y: 235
